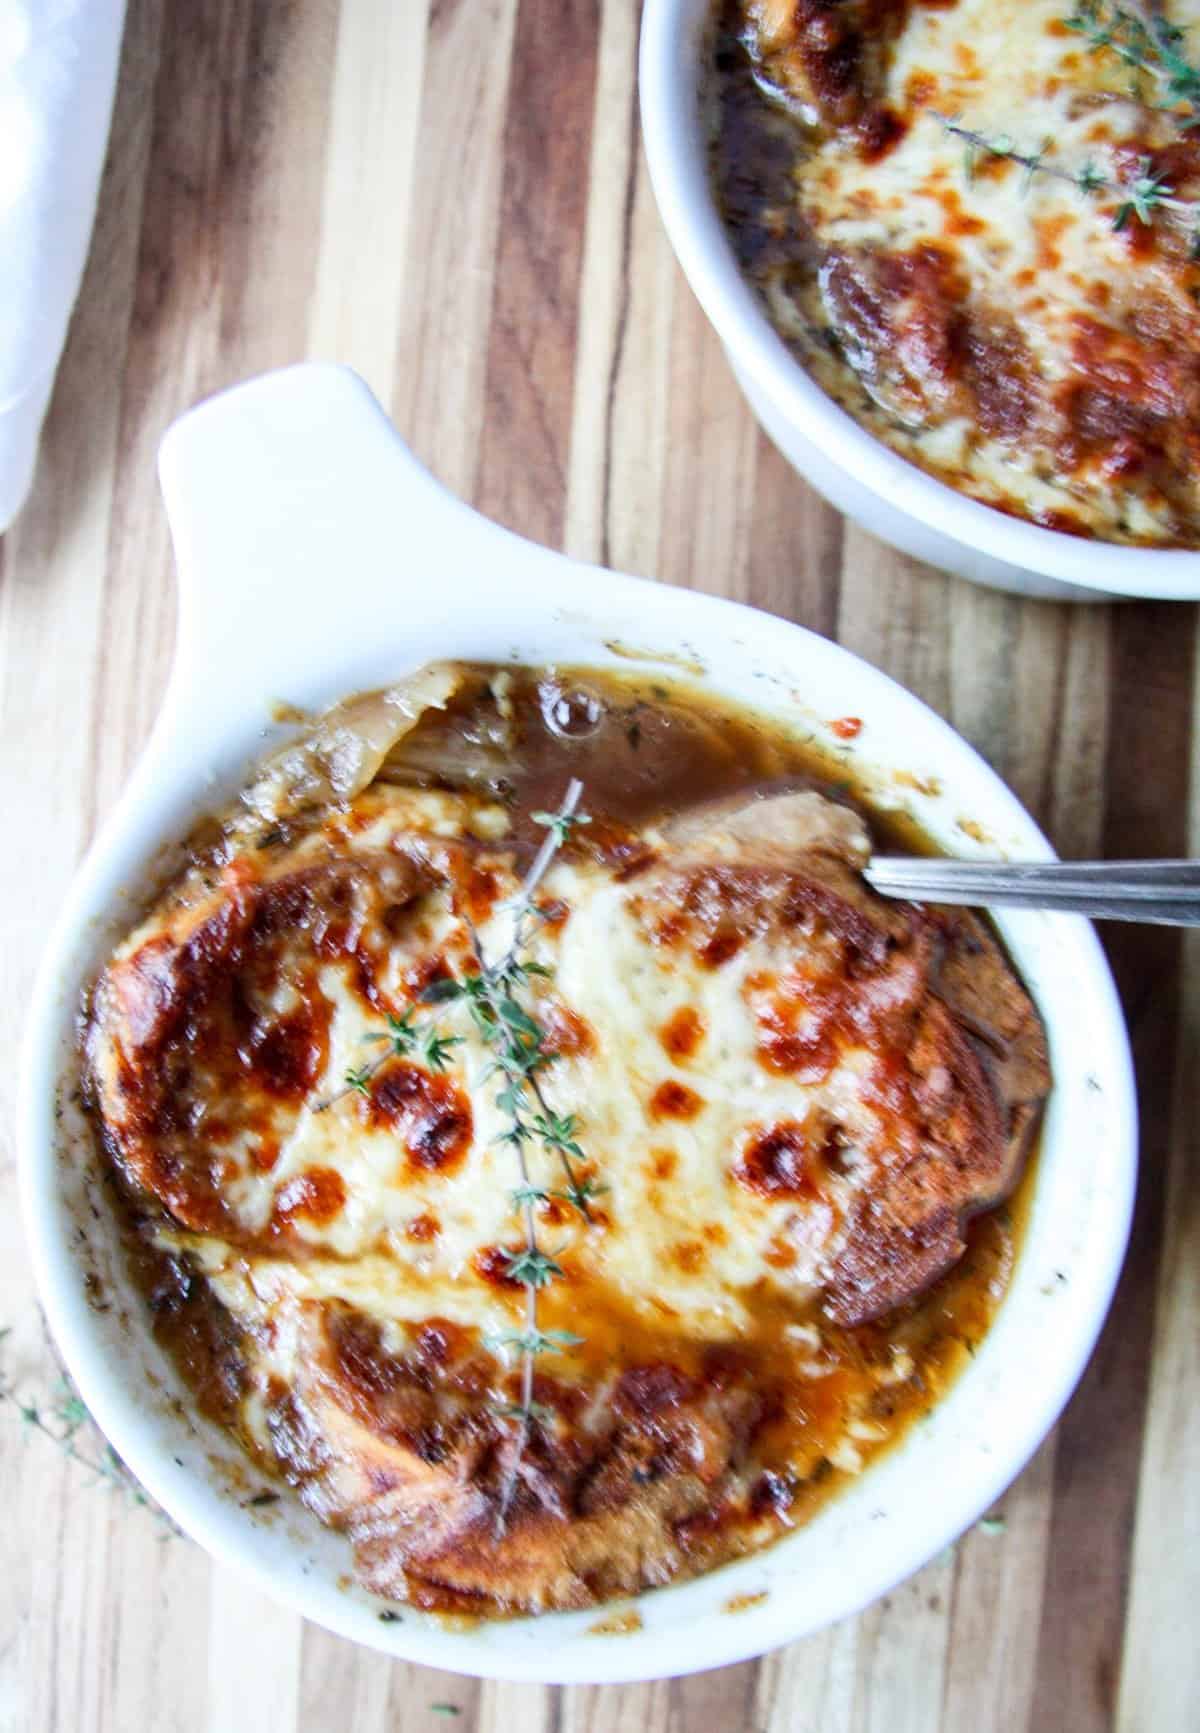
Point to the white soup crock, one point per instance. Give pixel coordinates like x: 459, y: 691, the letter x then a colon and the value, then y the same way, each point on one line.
x: 316, y: 558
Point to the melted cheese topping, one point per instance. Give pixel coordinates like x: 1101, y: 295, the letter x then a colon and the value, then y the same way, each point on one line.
x: 678, y: 1234
x: 790, y: 1094
x: 1098, y: 431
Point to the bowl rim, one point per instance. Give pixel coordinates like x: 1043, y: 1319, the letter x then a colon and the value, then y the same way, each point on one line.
x: 516, y: 588
x: 673, y: 37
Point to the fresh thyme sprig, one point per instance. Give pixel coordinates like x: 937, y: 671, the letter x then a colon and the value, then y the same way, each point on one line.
x: 1145, y: 39
x: 403, y: 1039
x: 1141, y: 197
x: 516, y: 1041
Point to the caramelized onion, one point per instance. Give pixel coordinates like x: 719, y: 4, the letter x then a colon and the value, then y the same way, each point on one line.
x: 344, y: 752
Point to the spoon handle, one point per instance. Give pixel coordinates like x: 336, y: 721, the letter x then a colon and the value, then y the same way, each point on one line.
x: 1162, y: 892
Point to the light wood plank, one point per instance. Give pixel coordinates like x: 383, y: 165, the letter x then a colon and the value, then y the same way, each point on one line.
x: 374, y: 111
x: 809, y: 1687
x: 902, y: 1654
x: 441, y: 340
x: 253, y: 1658
x: 1147, y: 786
x: 995, y: 1600
x: 712, y: 450
x: 523, y: 449
x: 503, y: 1706
x: 627, y: 302
x: 614, y: 1708
x: 343, y: 1685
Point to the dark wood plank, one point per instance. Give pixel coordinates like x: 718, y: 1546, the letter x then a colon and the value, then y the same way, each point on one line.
x: 531, y: 353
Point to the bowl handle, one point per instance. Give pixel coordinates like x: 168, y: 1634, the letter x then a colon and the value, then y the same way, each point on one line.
x: 284, y: 496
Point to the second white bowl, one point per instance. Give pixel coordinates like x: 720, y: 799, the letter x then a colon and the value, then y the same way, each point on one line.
x: 890, y: 497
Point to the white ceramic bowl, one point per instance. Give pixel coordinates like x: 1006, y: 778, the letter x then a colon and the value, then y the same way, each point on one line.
x: 317, y: 558
x: 887, y: 495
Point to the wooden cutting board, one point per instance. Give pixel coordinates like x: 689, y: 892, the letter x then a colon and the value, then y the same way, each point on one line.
x: 449, y: 195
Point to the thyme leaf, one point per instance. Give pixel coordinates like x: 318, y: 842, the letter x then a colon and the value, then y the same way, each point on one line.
x: 1143, y: 38
x: 516, y: 1041
x: 524, y: 1194
x: 533, y: 1268
x: 535, y: 1341
x: 1146, y: 194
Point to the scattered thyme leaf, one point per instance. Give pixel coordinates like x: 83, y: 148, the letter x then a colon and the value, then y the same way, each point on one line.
x: 557, y: 1131
x: 73, y: 1412
x: 1144, y: 39
x: 518, y: 1019
x: 532, y: 1268
x: 560, y: 824
x: 359, y: 1079
x: 435, y: 1049
x: 535, y: 1341
x: 523, y: 1194
x: 442, y: 992
x: 580, y: 1192
x: 1147, y: 192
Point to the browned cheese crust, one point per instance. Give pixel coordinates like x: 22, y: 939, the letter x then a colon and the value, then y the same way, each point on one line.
x: 1033, y: 344
x: 659, y: 1450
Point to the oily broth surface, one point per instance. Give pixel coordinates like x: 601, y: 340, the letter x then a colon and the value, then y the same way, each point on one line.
x: 648, y: 748
x: 663, y: 746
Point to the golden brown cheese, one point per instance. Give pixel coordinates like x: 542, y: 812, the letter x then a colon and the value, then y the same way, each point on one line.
x: 794, y: 1094
x: 991, y: 324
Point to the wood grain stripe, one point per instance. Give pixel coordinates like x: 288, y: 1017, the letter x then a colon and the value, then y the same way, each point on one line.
x: 618, y: 440
x: 795, y: 557
x: 529, y: 1707
x: 893, y: 612
x: 379, y: 68
x: 995, y: 1600
x: 442, y: 339
x: 1059, y: 701
x: 1160, y: 1679
x: 228, y: 169
x: 1100, y: 1437
x: 244, y: 1630
x: 522, y: 478
x: 712, y: 448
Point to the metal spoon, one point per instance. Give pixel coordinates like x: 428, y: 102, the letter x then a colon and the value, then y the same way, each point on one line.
x: 1163, y: 892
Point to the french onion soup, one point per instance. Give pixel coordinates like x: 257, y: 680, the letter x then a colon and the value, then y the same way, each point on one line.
x: 976, y: 223
x: 539, y: 1147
